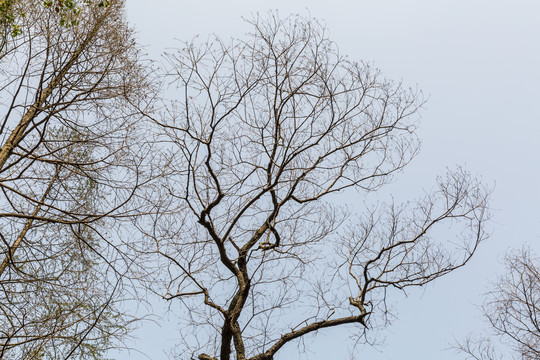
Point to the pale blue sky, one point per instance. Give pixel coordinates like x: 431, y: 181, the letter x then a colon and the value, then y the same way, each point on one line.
x: 479, y: 63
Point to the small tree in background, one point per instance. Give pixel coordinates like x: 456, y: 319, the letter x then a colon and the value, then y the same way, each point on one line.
x: 512, y: 309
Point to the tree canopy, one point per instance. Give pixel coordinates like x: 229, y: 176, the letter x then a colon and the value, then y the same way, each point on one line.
x: 66, y: 176
x: 227, y: 180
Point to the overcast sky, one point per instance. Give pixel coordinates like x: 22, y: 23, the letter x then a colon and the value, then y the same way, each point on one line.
x: 478, y: 62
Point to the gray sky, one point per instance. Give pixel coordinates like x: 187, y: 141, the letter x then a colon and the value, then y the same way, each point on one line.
x: 478, y: 61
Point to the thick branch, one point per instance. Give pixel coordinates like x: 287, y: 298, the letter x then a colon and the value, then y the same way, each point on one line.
x: 268, y: 354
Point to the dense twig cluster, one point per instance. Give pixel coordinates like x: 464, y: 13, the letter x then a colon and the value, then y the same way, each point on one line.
x: 67, y: 173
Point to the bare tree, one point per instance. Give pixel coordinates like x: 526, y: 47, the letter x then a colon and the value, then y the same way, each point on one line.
x: 67, y: 175
x: 262, y: 140
x: 512, y: 309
